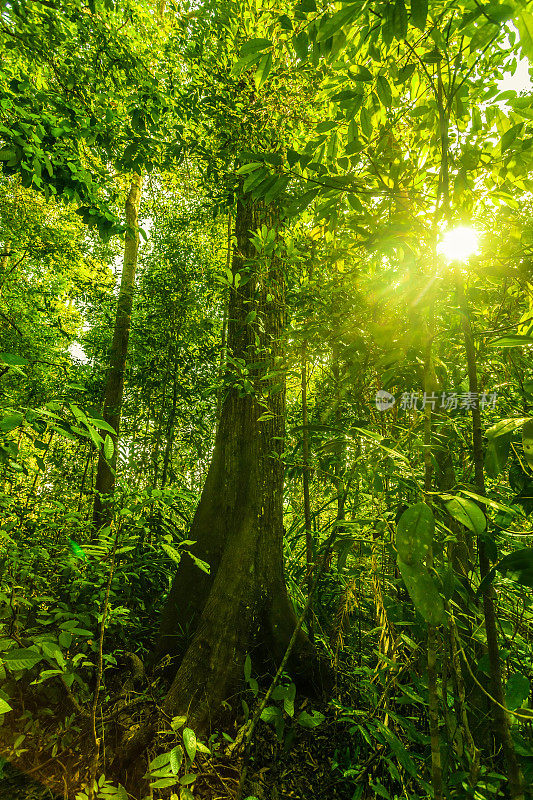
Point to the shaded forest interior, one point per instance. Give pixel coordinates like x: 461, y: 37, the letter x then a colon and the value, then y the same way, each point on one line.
x: 266, y: 423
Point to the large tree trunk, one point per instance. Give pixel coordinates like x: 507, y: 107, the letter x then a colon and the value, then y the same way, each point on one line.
x: 211, y: 621
x: 114, y: 389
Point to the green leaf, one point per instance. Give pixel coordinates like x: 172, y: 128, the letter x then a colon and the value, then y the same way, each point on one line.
x: 301, y: 45
x: 246, y: 168
x: 312, y: 720
x: 510, y: 136
x: 244, y: 63
x: 405, y: 72
x: 11, y: 421
x: 505, y: 426
x: 176, y: 757
x: 178, y: 722
x: 363, y: 74
x: 171, y: 552
x: 336, y: 22
x: 23, y: 658
x: 419, y: 13
x: 384, y: 91
x: 189, y: 740
x: 203, y: 565
x: 366, y: 124
x: 186, y: 780
x: 162, y: 783
x: 399, y: 19
x: 423, y: 592
x: 13, y: 360
x: 513, y: 340
x: 262, y: 71
x: 254, y: 46
x: 109, y: 447
x: 247, y: 668
x: 467, y: 513
x: 524, y: 24
x: 158, y: 762
x: 496, y: 455
x: 101, y: 424
x: 270, y: 714
x: 517, y: 690
x: 4, y: 707
x: 414, y: 534
x: 77, y: 551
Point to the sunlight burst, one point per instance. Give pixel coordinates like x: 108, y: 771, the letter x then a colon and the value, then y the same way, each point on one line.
x: 458, y: 244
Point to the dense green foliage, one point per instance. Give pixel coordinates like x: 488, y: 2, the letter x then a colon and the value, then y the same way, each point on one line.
x: 362, y: 131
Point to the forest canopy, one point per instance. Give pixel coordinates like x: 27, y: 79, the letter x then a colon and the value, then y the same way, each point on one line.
x: 266, y: 389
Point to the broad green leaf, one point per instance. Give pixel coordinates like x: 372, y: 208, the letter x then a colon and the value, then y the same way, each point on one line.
x: 246, y: 168
x: 467, y: 513
x: 510, y: 136
x: 244, y: 63
x: 524, y: 24
x: 189, y: 740
x: 312, y: 720
x: 301, y: 45
x: 171, y: 552
x: 399, y: 19
x: 496, y: 455
x: 270, y: 714
x: 163, y: 783
x: 419, y: 12
x: 254, y: 46
x: 513, y: 340
x: 247, y: 668
x: 4, y: 707
x: 363, y: 74
x: 23, y: 658
x: 405, y: 72
x: 176, y: 757
x: 109, y: 447
x: 12, y: 360
x: 366, y: 124
x: 505, y: 426
x: 262, y: 71
x: 336, y: 22
x: 178, y: 722
x: 384, y: 91
x: 414, y: 534
x: 158, y: 762
x: 517, y: 690
x: 423, y: 592
x: 11, y: 421
x: 101, y: 424
x: 203, y: 565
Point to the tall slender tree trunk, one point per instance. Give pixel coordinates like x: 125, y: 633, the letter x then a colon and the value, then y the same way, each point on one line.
x: 171, y: 418
x: 305, y: 479
x: 114, y: 389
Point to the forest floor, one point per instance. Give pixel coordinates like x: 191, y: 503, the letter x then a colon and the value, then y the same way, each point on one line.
x: 305, y: 769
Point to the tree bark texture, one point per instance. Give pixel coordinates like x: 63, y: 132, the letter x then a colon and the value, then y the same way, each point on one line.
x: 114, y: 388
x: 210, y: 621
